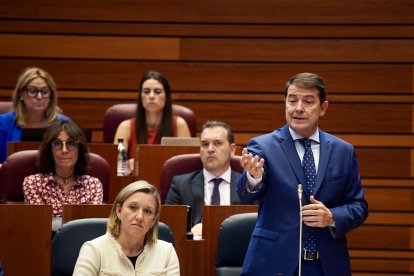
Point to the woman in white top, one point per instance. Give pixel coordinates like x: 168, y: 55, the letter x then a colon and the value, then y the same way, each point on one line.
x: 131, y: 245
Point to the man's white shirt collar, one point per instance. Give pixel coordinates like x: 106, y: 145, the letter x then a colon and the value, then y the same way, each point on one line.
x: 225, y: 176
x: 313, y: 137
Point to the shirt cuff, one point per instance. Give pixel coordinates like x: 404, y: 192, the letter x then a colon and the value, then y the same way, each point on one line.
x: 253, y: 184
x: 332, y: 229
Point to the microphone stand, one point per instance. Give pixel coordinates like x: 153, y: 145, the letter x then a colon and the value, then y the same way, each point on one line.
x: 300, y: 191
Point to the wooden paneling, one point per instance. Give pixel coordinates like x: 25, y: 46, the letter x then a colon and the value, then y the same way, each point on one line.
x: 205, y: 29
x: 389, y: 218
x: 149, y: 160
x: 379, y: 199
x: 208, y: 49
x: 88, y: 47
x: 391, y: 266
x: 381, y: 162
x: 264, y: 11
x: 388, y: 182
x: 357, y: 273
x: 72, y: 212
x: 230, y: 61
x: 380, y: 237
x: 195, y: 77
x: 286, y: 50
x: 25, y: 230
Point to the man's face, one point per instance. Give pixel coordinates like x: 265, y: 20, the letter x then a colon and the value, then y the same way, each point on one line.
x: 215, y: 150
x: 303, y: 109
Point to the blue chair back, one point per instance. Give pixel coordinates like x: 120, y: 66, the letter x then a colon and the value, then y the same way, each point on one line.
x: 233, y: 241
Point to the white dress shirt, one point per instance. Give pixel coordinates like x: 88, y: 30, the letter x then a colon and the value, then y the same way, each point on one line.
x: 252, y: 182
x: 224, y: 187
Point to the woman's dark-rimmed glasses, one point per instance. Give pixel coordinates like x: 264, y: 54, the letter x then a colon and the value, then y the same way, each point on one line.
x: 34, y: 91
x: 70, y: 144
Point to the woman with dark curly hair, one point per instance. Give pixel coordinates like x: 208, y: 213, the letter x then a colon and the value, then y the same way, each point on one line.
x: 63, y: 162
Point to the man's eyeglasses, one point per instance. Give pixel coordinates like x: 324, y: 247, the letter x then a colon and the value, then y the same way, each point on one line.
x: 70, y: 144
x: 34, y: 91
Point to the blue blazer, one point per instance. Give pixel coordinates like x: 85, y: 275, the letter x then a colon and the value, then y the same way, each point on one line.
x: 10, y: 131
x: 273, y: 248
x: 188, y: 189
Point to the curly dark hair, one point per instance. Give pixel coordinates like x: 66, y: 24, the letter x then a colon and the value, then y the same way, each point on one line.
x: 45, y: 160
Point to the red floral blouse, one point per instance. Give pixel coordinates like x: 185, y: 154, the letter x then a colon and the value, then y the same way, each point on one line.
x: 43, y: 189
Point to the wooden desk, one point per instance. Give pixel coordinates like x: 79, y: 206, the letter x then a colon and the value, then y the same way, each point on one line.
x: 108, y: 151
x: 213, y: 216
x: 25, y: 239
x: 175, y: 216
x: 72, y: 212
x: 149, y: 160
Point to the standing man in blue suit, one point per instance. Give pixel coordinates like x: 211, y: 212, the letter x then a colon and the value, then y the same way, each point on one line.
x: 333, y: 204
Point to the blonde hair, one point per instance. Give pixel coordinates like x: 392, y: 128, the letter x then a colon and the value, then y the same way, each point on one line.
x: 25, y: 77
x: 141, y: 186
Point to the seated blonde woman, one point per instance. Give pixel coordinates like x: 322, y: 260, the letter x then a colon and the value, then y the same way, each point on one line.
x: 34, y: 104
x: 131, y: 245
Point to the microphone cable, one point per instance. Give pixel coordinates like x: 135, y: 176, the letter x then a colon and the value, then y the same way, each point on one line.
x: 300, y: 191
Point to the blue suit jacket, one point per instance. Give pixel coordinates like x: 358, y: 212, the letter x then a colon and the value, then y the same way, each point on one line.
x: 188, y: 189
x: 10, y: 131
x: 274, y: 244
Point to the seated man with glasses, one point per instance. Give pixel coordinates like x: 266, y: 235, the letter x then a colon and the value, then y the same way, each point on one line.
x: 63, y: 162
x: 34, y: 104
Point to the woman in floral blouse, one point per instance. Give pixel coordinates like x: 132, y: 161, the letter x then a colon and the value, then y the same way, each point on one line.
x: 63, y: 162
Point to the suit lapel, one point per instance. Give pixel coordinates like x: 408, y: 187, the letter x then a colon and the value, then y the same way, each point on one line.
x: 198, y: 187
x: 291, y: 154
x: 325, y: 153
x: 234, y: 196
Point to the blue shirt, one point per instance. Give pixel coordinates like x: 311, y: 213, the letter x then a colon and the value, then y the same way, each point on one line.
x: 10, y: 131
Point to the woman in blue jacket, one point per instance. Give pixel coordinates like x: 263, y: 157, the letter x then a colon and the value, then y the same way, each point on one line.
x: 34, y: 104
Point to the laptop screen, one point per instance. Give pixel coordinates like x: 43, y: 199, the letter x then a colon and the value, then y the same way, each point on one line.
x: 180, y: 141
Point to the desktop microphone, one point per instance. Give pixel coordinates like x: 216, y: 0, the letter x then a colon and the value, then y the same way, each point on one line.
x: 300, y: 191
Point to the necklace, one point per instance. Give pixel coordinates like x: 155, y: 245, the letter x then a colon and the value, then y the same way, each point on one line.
x: 65, y: 179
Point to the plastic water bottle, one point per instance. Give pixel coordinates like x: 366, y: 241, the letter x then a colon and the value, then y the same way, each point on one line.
x: 122, y: 158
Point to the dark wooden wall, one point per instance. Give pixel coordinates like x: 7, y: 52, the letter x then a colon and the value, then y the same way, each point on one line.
x: 229, y: 60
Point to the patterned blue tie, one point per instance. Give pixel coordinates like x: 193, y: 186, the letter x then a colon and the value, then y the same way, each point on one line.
x: 215, y: 197
x: 310, y: 176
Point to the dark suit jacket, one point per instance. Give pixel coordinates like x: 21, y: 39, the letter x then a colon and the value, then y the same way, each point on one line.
x: 274, y: 244
x: 188, y: 189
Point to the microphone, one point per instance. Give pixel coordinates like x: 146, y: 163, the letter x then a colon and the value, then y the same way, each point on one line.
x: 300, y: 192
